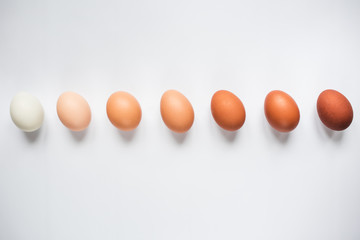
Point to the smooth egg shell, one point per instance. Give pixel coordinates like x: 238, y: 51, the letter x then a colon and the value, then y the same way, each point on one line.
x: 176, y: 111
x: 26, y: 112
x: 281, y: 111
x: 123, y: 111
x: 228, y: 110
x: 73, y: 111
x: 335, y: 110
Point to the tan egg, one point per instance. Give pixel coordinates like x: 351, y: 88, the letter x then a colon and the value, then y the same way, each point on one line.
x: 73, y: 111
x: 176, y: 111
x: 281, y: 111
x: 228, y: 110
x: 334, y: 110
x: 123, y: 111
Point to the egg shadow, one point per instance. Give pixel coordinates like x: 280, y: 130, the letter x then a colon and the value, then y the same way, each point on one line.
x: 32, y: 137
x: 179, y: 137
x: 230, y: 136
x: 79, y: 135
x: 127, y: 136
x: 336, y: 136
x: 281, y: 137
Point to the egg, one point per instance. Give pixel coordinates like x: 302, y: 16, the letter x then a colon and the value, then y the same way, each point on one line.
x: 123, y: 111
x: 281, y: 111
x: 335, y: 110
x: 227, y: 110
x: 73, y: 111
x: 176, y: 111
x: 26, y: 112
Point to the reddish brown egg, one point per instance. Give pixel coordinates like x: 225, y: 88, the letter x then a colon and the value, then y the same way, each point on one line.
x: 281, y: 111
x: 228, y: 110
x: 176, y: 111
x: 334, y: 110
x: 123, y: 111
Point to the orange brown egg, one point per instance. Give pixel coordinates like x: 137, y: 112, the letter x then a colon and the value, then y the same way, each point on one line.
x: 176, y: 111
x: 281, y: 111
x: 227, y: 110
x: 123, y: 111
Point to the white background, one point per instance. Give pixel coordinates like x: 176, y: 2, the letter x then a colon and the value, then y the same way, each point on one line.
x: 152, y: 184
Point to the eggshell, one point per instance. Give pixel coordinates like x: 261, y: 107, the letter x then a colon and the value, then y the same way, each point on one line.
x: 123, y: 111
x: 335, y: 110
x: 176, y: 111
x: 228, y: 110
x: 26, y: 112
x: 281, y: 111
x: 73, y: 111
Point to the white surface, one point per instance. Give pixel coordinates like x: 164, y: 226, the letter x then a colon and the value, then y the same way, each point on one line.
x: 151, y: 184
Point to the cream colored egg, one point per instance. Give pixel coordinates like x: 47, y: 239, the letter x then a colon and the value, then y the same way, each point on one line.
x: 26, y: 112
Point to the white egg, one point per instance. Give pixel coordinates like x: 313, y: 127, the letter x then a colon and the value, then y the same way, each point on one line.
x: 26, y: 112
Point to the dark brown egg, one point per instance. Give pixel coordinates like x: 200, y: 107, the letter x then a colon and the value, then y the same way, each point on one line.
x: 281, y: 111
x: 228, y: 111
x: 334, y: 110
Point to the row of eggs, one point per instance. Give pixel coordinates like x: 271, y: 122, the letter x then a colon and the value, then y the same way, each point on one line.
x: 124, y: 111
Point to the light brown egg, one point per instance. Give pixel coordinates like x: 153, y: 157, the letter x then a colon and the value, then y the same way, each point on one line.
x: 176, y: 111
x: 334, y: 110
x: 123, y: 111
x: 73, y: 111
x: 281, y: 111
x: 228, y: 110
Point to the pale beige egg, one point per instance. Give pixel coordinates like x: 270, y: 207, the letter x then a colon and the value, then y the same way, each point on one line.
x: 73, y: 111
